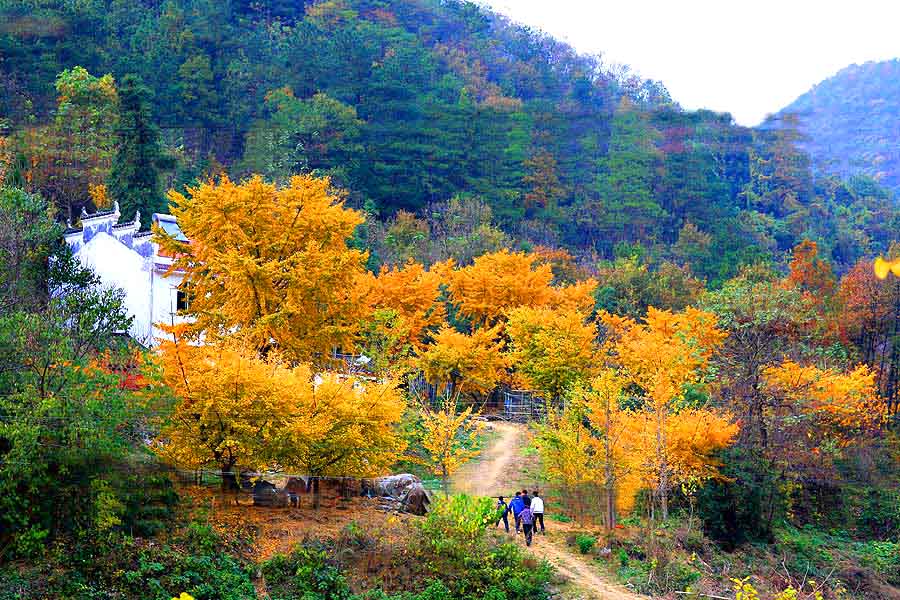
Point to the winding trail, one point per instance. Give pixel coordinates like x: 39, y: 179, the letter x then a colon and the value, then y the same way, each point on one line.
x: 498, y: 471
x: 493, y: 472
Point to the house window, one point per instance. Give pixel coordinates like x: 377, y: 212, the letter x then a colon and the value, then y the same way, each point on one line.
x: 181, y: 300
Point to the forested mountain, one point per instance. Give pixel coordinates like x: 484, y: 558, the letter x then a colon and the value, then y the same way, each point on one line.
x: 403, y: 234
x: 407, y: 105
x: 850, y: 122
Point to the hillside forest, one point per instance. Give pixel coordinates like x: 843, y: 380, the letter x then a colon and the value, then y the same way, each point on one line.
x: 394, y: 215
x: 846, y: 122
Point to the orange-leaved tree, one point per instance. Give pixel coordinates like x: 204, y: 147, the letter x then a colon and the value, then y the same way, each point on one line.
x: 271, y: 264
x: 676, y: 448
x: 552, y: 349
x: 837, y: 407
x: 465, y: 364
x: 414, y: 294
x: 662, y: 357
x: 495, y: 283
x: 450, y: 438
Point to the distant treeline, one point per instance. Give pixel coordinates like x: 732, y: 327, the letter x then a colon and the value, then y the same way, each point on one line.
x: 410, y: 103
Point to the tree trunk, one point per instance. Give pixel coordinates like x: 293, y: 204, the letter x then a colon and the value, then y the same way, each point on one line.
x: 317, y: 494
x: 229, y: 479
x: 608, y: 472
x: 663, y: 485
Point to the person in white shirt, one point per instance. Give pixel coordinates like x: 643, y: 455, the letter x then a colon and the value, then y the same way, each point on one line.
x: 537, y: 508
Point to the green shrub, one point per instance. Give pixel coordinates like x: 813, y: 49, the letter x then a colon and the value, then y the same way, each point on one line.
x: 741, y: 506
x: 585, y: 542
x: 678, y: 576
x: 560, y: 518
x: 121, y: 567
x: 881, y: 557
x: 879, y: 514
x: 305, y: 574
x: 806, y: 550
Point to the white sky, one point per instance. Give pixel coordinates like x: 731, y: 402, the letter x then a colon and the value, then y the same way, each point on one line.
x: 747, y: 57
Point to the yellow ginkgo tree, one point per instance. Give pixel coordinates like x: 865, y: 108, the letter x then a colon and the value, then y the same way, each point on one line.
x: 230, y: 406
x: 236, y: 409
x: 450, y: 438
x: 669, y: 441
x: 463, y: 364
x: 269, y: 263
x: 498, y: 282
x: 553, y: 349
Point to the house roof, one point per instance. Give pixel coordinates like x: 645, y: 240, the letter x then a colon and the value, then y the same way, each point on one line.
x: 168, y: 224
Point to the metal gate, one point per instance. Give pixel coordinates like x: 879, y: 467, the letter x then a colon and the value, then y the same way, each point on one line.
x: 523, y: 405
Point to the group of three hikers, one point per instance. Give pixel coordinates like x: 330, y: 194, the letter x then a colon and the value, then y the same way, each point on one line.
x: 527, y: 511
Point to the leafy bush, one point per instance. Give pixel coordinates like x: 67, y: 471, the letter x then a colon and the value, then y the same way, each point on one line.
x: 453, y: 545
x: 651, y: 577
x: 121, y: 567
x: 882, y: 557
x: 560, y: 518
x: 807, y: 550
x: 879, y: 514
x: 742, y: 505
x: 585, y: 542
x: 305, y: 574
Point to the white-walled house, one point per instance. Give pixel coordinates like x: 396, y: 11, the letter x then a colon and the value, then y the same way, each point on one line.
x: 124, y: 257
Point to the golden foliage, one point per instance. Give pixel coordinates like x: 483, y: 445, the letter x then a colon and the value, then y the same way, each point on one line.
x: 577, y: 296
x: 842, y: 404
x: 553, y: 349
x: 567, y: 449
x: 272, y: 264
x: 230, y: 404
x: 345, y: 426
x: 414, y: 293
x: 234, y: 408
x: 449, y: 439
x: 498, y: 282
x: 665, y: 353
x: 471, y: 363
x: 668, y: 443
x: 100, y: 196
x: 660, y: 454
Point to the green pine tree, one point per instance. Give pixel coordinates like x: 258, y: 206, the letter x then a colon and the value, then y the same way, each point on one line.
x: 134, y: 178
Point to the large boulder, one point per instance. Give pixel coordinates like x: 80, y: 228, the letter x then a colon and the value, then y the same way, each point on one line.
x: 405, y: 489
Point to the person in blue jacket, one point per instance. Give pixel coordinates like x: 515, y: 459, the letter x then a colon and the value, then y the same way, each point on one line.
x: 516, y: 505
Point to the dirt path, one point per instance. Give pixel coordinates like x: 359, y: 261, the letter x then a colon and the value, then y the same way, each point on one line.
x: 585, y: 578
x: 493, y: 472
x: 497, y: 472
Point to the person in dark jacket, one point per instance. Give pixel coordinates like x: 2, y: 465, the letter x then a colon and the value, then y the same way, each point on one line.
x: 503, y: 511
x: 515, y: 507
x: 527, y: 519
x: 526, y: 498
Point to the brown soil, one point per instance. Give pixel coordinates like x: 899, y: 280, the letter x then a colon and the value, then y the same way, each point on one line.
x: 498, y: 469
x: 279, y: 530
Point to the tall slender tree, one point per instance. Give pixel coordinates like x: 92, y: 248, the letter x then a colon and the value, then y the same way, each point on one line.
x: 134, y: 177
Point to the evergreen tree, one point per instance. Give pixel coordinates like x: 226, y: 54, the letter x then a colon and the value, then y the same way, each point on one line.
x: 134, y: 178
